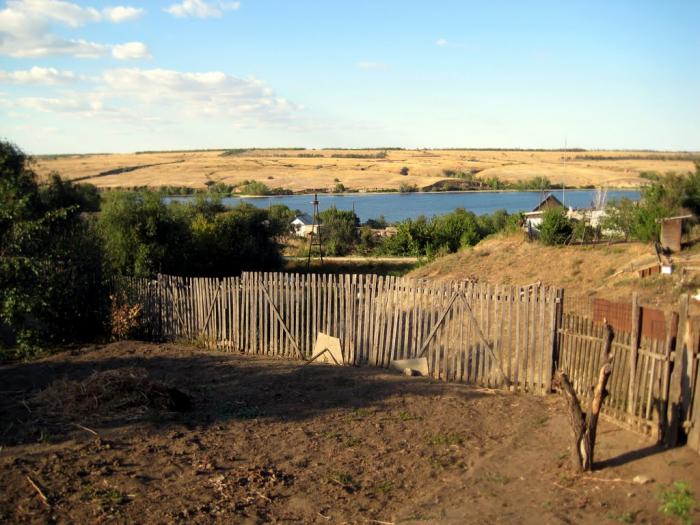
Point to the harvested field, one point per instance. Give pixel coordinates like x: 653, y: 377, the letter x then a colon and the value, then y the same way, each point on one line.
x: 267, y: 440
x: 369, y: 170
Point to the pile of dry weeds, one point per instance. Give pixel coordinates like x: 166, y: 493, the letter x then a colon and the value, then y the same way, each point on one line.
x: 119, y: 392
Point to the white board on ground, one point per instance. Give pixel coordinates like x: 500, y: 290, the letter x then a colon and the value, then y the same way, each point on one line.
x: 419, y: 365
x: 329, y: 347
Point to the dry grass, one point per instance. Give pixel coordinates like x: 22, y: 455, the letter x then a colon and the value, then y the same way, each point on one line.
x: 109, y: 393
x: 583, y: 271
x: 287, y: 169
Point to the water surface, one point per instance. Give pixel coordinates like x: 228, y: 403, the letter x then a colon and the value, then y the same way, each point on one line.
x: 398, y: 206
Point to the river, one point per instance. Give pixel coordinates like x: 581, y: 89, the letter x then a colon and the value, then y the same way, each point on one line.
x: 398, y: 206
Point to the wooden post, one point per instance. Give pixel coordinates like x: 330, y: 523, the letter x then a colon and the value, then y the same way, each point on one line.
x: 634, y: 352
x: 679, y: 373
x: 584, y: 428
x: 694, y: 431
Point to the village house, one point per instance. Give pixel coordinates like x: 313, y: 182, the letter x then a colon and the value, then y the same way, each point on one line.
x: 303, y: 225
x: 533, y: 219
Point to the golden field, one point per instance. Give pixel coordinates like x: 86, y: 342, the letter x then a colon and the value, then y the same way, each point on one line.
x: 300, y: 170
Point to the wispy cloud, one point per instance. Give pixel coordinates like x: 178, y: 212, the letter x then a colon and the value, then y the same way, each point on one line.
x: 201, y: 8
x: 372, y: 65
x: 47, y: 76
x: 26, y: 28
x: 134, y: 95
x: 442, y: 42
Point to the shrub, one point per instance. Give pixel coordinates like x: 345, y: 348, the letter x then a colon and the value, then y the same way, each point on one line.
x: 556, y: 228
x: 404, y: 171
x: 49, y: 256
x: 338, y: 230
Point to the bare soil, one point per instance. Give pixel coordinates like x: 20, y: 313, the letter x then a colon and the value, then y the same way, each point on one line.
x: 267, y: 440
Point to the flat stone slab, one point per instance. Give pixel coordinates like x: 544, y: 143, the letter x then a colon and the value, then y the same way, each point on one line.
x: 418, y: 365
x: 330, y: 348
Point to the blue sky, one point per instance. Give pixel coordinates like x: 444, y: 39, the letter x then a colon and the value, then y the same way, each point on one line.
x: 181, y: 74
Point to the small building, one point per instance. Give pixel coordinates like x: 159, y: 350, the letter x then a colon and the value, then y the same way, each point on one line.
x: 672, y: 232
x: 533, y: 218
x: 389, y: 231
x: 303, y: 225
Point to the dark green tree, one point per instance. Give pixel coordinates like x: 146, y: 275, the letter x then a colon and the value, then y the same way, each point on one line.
x: 50, y: 281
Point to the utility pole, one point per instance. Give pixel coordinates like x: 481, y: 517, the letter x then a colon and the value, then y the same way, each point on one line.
x: 315, y: 229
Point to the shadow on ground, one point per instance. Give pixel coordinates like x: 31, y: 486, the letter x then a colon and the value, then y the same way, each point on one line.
x: 223, y: 386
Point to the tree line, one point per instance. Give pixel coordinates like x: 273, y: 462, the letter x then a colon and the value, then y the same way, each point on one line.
x: 62, y: 243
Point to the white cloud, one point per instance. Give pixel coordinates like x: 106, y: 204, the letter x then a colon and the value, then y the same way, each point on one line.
x: 372, y: 65
x: 38, y: 75
x: 120, y: 13
x: 158, y: 95
x: 441, y: 42
x: 130, y: 51
x: 201, y: 8
x: 26, y: 28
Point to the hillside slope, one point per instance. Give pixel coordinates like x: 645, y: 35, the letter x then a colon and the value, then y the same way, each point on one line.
x: 583, y: 271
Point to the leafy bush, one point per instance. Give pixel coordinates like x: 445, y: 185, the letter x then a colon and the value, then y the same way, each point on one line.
x: 49, y: 256
x: 556, y: 228
x: 445, y: 233
x: 678, y: 502
x: 338, y: 230
x: 143, y: 236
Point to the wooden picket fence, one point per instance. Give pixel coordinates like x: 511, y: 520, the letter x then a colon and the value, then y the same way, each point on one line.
x: 494, y: 336
x: 488, y: 335
x: 638, y: 386
x: 653, y: 379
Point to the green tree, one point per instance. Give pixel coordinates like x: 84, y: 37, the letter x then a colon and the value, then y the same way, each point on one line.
x: 338, y: 230
x: 49, y: 256
x: 142, y: 236
x: 556, y: 228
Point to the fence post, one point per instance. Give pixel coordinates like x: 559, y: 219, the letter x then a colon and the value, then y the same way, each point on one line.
x: 553, y: 354
x: 679, y: 374
x: 634, y: 352
x: 694, y: 431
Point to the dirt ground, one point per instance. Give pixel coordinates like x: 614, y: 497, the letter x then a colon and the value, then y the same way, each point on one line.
x: 268, y: 440
x: 323, y: 169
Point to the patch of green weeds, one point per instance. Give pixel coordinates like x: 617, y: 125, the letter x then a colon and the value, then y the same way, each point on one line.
x: 496, y: 477
x: 343, y: 480
x: 357, y: 414
x: 106, y: 497
x: 625, y: 517
x: 384, y: 487
x: 403, y: 415
x: 330, y: 435
x: 445, y: 440
x: 352, y: 441
x: 677, y: 501
x: 541, y: 420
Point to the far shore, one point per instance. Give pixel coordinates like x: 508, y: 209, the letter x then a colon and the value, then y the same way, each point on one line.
x: 369, y: 193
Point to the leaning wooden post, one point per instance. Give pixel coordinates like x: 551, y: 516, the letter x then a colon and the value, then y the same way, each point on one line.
x: 674, y: 414
x: 584, y: 428
x: 634, y: 352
